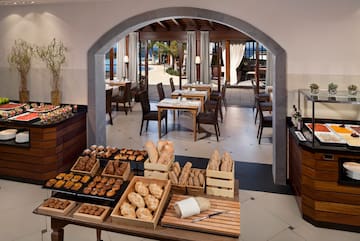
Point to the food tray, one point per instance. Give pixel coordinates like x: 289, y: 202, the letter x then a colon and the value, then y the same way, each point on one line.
x: 10, y: 106
x: 91, y: 218
x: 318, y: 127
x: 26, y: 117
x: 55, y: 211
x: 93, y: 171
x: 339, y: 129
x: 125, y: 175
x: 112, y: 199
x: 65, y: 190
x: 125, y: 154
x: 355, y: 128
x: 44, y: 109
x: 329, y: 137
x: 117, y: 218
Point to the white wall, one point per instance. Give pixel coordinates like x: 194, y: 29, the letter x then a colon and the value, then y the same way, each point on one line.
x: 321, y: 39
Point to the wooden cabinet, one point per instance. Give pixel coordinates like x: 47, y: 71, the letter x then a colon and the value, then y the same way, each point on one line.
x: 314, y: 177
x: 52, y: 149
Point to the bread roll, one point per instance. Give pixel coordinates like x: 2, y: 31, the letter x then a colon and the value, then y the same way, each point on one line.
x: 141, y: 188
x: 196, y: 181
x: 185, y: 173
x: 201, y: 179
x: 144, y: 214
x: 176, y: 168
x: 156, y: 190
x: 127, y: 210
x: 214, y: 161
x: 136, y: 199
x: 173, y: 178
x: 152, y: 151
x: 151, y: 202
x: 190, y: 181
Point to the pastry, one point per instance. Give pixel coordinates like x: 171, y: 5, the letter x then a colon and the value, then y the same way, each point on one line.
x: 92, y: 184
x: 111, y: 181
x: 85, y: 179
x: 86, y: 152
x: 99, y: 185
x: 60, y: 176
x: 116, y: 186
x: 136, y: 199
x: 155, y: 190
x: 141, y: 188
x: 127, y: 210
x: 110, y: 193
x: 76, y: 186
x: 76, y: 178
x: 144, y: 214
x: 68, y: 177
x: 201, y: 179
x: 132, y: 157
x: 104, y: 179
x: 94, y: 191
x: 97, y: 179
x: 140, y: 158
x: 93, y: 147
x: 101, y: 192
x: 59, y: 184
x: 87, y: 190
x: 50, y: 182
x: 151, y: 202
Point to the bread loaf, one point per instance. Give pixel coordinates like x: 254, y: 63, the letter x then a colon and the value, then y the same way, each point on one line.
x: 173, y: 178
x: 152, y: 152
x: 185, y: 173
x: 214, y: 161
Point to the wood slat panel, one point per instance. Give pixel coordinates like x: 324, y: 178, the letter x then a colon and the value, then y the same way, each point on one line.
x: 336, y: 197
x: 224, y: 224
x: 337, y: 208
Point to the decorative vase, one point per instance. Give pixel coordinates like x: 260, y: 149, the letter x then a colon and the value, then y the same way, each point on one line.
x: 23, y: 96
x: 55, y: 97
x: 314, y: 91
x: 332, y: 92
x: 352, y: 92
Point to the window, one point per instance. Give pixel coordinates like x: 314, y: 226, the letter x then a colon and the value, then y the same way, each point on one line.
x: 250, y: 50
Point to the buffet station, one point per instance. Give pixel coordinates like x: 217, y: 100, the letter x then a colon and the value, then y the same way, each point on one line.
x: 324, y: 166
x: 145, y: 193
x: 38, y: 140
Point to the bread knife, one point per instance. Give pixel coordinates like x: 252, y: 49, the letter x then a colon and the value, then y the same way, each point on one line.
x: 208, y: 216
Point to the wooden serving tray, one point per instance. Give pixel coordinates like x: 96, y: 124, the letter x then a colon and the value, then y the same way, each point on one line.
x: 227, y: 224
x: 91, y: 218
x: 156, y: 166
x: 91, y: 173
x: 48, y: 210
x: 125, y: 175
x: 116, y: 216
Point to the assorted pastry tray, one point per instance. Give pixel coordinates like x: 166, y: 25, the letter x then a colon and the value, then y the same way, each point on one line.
x: 339, y: 134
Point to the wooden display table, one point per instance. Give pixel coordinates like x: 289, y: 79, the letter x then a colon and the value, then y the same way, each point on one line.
x: 326, y: 198
x: 53, y: 148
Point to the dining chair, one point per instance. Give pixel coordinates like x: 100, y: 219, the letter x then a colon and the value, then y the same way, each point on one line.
x: 258, y: 97
x: 213, y: 100
x: 147, y: 113
x: 124, y: 97
x: 172, y: 86
x: 108, y: 103
x: 265, y: 121
x: 160, y: 90
x: 210, y: 117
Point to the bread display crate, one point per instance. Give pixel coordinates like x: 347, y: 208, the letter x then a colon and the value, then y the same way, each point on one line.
x: 89, y: 217
x: 49, y: 210
x: 157, y: 170
x: 220, y: 183
x: 116, y: 217
x: 125, y: 175
x: 93, y: 170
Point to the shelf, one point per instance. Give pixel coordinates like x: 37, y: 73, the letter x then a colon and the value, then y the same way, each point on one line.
x: 323, y: 96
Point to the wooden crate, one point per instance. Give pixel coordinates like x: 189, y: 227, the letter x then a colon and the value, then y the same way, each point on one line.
x: 156, y: 166
x: 178, y: 189
x: 55, y: 211
x: 116, y: 216
x: 93, y: 170
x: 125, y: 175
x: 156, y: 174
x: 91, y: 218
x: 220, y: 183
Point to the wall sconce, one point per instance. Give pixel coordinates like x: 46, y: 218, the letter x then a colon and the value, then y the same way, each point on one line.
x: 197, y: 62
x: 126, y: 59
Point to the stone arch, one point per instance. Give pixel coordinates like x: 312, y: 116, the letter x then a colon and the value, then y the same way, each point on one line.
x: 96, y: 89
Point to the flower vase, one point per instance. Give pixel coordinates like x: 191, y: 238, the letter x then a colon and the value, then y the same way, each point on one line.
x: 314, y: 91
x: 352, y: 93
x: 24, y: 96
x: 55, y: 97
x: 332, y: 92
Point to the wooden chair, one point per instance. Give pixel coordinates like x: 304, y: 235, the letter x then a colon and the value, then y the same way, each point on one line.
x: 210, y: 118
x: 124, y: 97
x: 108, y: 103
x: 147, y: 113
x: 211, y: 104
x: 172, y: 86
x: 258, y: 97
x: 265, y: 121
x: 160, y: 90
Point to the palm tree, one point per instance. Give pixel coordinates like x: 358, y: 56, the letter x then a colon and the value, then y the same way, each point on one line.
x: 171, y: 49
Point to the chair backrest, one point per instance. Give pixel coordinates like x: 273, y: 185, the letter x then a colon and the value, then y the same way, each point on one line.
x: 127, y: 91
x: 145, y: 103
x: 223, y: 91
x: 261, y: 109
x: 108, y: 99
x: 172, y: 86
x: 160, y: 90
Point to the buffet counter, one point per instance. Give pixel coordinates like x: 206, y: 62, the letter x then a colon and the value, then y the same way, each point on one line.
x: 325, y: 193
x: 51, y: 146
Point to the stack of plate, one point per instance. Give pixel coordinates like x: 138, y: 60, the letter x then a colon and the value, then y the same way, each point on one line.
x: 7, y: 134
x: 352, y: 169
x: 22, y: 137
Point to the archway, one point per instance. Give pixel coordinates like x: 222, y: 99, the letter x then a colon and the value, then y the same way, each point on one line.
x: 96, y: 88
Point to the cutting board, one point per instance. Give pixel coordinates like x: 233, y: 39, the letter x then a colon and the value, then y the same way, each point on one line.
x: 227, y: 224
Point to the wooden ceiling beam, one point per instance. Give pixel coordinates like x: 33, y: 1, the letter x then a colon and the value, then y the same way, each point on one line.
x: 163, y: 25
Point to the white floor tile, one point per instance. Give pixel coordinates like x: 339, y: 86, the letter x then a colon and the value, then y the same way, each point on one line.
x: 287, y: 235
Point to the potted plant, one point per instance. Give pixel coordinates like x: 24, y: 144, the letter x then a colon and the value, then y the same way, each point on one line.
x: 332, y: 88
x: 20, y: 58
x: 314, y: 89
x: 54, y: 56
x: 352, y: 90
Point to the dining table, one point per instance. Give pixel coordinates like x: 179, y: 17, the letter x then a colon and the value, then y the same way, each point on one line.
x: 182, y: 104
x: 191, y: 94
x: 116, y: 82
x: 199, y: 87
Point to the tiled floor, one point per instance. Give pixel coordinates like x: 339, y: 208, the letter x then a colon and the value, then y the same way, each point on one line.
x: 264, y: 216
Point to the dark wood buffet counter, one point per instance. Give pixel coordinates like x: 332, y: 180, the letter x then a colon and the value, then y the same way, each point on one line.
x: 53, y: 148
x: 325, y: 195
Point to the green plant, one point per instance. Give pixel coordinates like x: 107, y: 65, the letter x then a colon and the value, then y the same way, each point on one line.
x: 314, y: 86
x: 172, y: 71
x: 352, y: 87
x: 54, y: 56
x: 20, y: 58
x: 332, y: 86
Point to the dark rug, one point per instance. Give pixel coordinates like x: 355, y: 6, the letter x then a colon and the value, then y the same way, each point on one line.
x: 252, y: 176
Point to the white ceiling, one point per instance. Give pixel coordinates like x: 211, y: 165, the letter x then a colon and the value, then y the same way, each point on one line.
x: 31, y: 2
